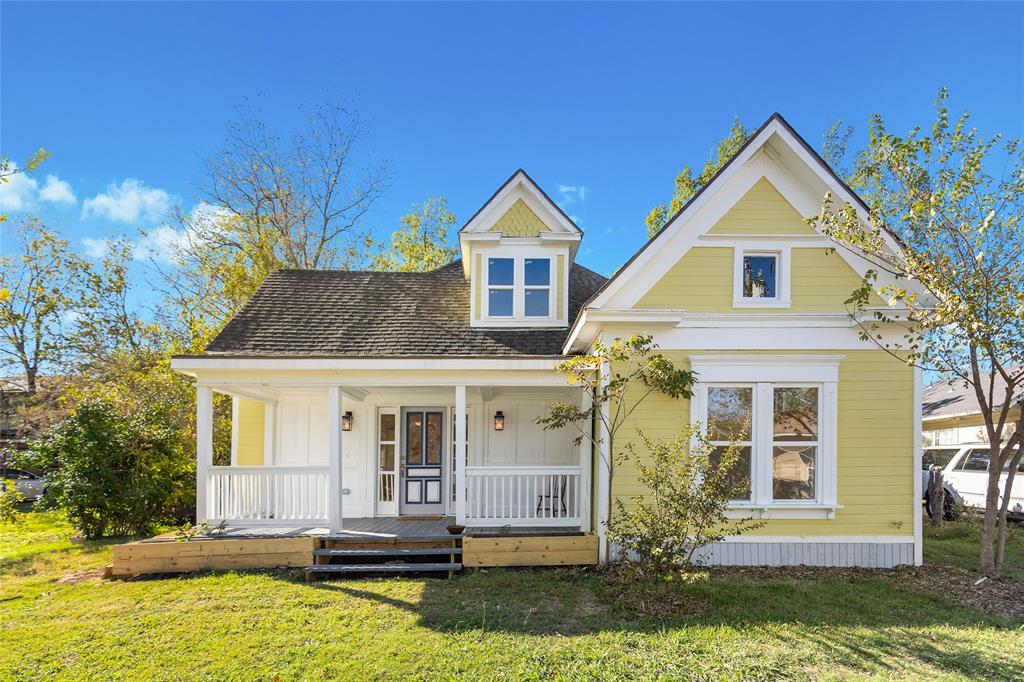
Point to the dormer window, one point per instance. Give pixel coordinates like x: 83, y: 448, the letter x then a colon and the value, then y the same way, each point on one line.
x: 519, y: 287
x: 761, y: 278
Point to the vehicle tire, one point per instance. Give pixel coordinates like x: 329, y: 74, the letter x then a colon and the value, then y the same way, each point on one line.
x: 948, y: 510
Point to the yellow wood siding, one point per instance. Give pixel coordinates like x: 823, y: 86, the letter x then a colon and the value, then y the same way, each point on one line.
x: 762, y: 210
x: 875, y: 459
x: 478, y: 284
x: 702, y: 280
x: 519, y: 221
x: 249, y: 447
x: 560, y: 287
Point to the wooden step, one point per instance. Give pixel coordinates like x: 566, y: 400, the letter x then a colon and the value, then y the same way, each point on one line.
x: 388, y: 551
x: 324, y: 569
x: 376, y: 539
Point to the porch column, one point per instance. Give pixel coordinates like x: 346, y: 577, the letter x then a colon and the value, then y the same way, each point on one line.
x: 334, y: 415
x: 204, y: 448
x: 460, y: 455
x: 604, y: 473
x: 586, y: 459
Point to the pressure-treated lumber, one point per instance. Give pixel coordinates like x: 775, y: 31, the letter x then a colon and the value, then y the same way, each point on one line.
x: 530, y: 551
x: 160, y: 555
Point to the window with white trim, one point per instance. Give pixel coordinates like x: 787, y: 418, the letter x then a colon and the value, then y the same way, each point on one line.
x: 761, y: 277
x: 519, y: 287
x: 783, y: 417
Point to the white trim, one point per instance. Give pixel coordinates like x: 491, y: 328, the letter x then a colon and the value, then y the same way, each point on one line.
x: 867, y: 539
x: 781, y: 510
x: 519, y: 186
x: 586, y: 464
x: 335, y: 484
x: 234, y: 430
x: 766, y: 368
x: 204, y: 447
x: 604, y: 480
x: 269, y: 439
x: 462, y: 469
x: 916, y: 471
x: 783, y: 294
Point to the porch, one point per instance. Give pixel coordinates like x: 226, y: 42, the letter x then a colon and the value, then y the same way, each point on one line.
x: 344, y: 460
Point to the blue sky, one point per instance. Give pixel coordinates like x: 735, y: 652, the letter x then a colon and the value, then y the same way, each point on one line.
x: 614, y: 98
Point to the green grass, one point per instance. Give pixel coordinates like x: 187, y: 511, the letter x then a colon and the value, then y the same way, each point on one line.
x: 498, y: 624
x: 956, y: 544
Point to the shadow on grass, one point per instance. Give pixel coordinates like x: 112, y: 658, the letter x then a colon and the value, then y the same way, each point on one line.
x: 867, y: 623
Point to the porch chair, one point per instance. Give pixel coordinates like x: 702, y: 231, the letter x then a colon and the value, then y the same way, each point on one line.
x: 553, y: 489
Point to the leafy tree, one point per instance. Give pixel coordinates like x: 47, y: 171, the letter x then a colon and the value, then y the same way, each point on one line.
x: 422, y: 243
x: 632, y: 372
x: 688, y: 484
x: 114, y: 474
x: 687, y: 184
x: 954, y: 199
x: 37, y: 295
x: 10, y: 497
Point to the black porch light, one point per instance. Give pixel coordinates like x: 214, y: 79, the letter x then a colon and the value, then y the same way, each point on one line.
x: 499, y: 421
x: 346, y: 421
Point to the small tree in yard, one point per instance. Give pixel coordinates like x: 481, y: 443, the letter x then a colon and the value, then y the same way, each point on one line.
x: 113, y: 474
x: 962, y: 238
x: 634, y: 372
x: 688, y: 483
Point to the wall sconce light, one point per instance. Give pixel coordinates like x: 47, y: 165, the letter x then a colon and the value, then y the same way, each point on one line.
x: 499, y: 421
x: 346, y: 421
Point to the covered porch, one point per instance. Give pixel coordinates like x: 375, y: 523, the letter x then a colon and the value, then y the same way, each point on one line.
x: 348, y: 455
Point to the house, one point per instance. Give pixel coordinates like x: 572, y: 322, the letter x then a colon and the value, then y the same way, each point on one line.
x: 951, y: 414
x: 370, y: 396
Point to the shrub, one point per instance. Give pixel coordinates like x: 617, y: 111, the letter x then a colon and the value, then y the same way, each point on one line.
x: 10, y: 496
x: 688, y: 484
x: 113, y: 474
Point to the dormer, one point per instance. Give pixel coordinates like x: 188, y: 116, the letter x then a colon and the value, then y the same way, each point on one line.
x: 516, y: 253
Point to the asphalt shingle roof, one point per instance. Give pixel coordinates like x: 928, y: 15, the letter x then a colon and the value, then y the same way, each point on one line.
x: 382, y: 314
x: 947, y: 398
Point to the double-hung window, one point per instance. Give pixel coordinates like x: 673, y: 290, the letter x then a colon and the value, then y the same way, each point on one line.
x: 782, y: 416
x: 519, y: 287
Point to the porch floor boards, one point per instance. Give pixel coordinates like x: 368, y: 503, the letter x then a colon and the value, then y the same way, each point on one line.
x: 390, y: 528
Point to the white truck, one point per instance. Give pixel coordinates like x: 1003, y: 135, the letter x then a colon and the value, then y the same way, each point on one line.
x: 965, y: 472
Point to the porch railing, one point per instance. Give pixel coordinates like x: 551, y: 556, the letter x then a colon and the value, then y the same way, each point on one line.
x: 267, y: 494
x: 523, y: 496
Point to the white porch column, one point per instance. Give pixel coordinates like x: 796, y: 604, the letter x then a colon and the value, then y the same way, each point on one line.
x: 204, y: 448
x: 586, y: 461
x: 604, y: 474
x: 460, y: 455
x: 334, y: 414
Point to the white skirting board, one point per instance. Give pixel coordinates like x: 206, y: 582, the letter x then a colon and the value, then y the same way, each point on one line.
x: 808, y: 553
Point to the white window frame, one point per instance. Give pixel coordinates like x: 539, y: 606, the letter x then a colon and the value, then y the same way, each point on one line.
x: 518, y: 287
x: 766, y: 373
x: 782, y: 298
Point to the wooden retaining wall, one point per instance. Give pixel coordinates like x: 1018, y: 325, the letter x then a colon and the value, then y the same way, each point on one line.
x: 534, y: 550
x: 163, y: 555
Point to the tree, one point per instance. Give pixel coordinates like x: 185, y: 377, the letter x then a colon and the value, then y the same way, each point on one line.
x: 37, y: 296
x: 619, y: 376
x: 688, y: 485
x: 959, y: 223
x: 687, y: 184
x: 421, y: 244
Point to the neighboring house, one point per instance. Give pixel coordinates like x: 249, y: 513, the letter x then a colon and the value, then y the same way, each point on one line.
x: 372, y: 394
x: 951, y: 414
x: 13, y: 391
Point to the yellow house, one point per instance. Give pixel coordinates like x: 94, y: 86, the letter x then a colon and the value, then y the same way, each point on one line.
x: 375, y: 398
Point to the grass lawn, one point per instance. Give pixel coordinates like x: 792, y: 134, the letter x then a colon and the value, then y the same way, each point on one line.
x: 58, y: 620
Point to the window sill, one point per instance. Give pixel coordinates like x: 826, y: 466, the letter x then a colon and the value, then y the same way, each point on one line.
x: 782, y: 511
x: 756, y: 303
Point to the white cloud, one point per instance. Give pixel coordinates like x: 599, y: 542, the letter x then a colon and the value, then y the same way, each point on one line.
x: 160, y: 244
x: 129, y: 202
x: 571, y: 194
x: 95, y: 248
x: 21, y: 192
x: 57, y: 191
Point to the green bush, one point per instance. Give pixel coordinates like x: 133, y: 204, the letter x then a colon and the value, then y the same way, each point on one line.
x: 114, y: 474
x: 9, y: 499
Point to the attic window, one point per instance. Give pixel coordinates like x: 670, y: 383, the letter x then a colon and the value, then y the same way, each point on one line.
x: 519, y: 287
x: 760, y: 275
x: 761, y: 278
x: 501, y: 286
x: 537, y: 276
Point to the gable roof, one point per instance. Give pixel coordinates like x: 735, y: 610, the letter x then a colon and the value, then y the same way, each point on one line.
x: 521, y: 177
x: 318, y: 313
x: 957, y: 398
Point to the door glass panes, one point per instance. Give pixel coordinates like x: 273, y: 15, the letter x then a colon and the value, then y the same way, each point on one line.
x: 414, y: 438
x: 434, y: 438
x: 387, y: 456
x: 387, y: 427
x: 760, y: 276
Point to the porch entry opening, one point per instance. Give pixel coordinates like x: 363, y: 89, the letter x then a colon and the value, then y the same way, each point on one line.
x: 422, y: 470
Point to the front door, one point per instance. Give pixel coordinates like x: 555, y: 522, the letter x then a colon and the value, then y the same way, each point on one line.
x: 422, y: 470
